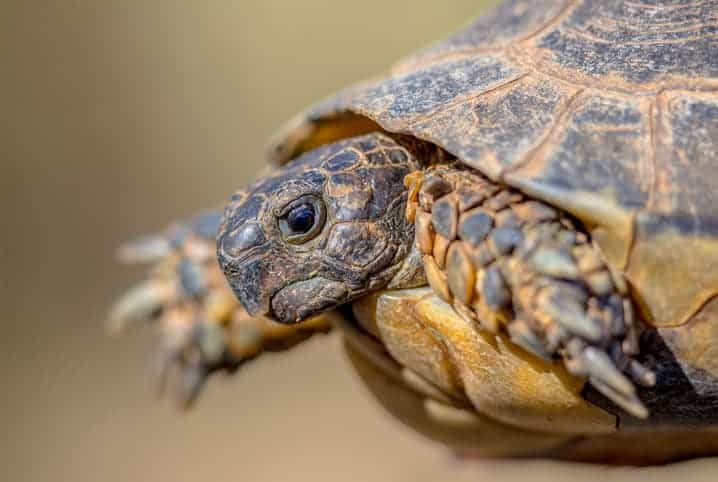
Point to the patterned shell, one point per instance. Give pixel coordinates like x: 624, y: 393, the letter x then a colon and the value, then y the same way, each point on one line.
x: 608, y: 110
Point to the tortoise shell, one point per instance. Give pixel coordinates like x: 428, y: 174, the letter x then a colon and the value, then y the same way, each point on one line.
x: 607, y: 110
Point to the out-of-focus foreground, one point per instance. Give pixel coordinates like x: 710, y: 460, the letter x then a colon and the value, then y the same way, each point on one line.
x: 119, y: 116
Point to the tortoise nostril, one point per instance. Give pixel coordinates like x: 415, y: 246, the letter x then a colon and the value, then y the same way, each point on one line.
x: 244, y: 238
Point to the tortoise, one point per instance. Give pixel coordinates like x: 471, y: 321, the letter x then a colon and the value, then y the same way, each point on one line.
x: 513, y: 230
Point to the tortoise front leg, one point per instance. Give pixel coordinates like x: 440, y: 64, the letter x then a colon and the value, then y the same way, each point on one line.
x: 202, y: 326
x: 508, y: 263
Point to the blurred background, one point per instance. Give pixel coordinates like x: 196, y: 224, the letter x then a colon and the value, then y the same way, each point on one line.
x: 119, y: 116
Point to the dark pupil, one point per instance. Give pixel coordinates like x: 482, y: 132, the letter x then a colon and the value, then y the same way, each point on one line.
x: 301, y: 218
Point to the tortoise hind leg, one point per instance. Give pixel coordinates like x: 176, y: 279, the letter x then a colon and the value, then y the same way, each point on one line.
x: 203, y: 329
x: 519, y: 265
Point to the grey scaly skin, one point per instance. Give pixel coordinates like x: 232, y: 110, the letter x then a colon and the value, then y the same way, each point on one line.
x: 351, y: 217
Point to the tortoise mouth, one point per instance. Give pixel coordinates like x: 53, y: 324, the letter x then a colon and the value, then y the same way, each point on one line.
x: 302, y: 299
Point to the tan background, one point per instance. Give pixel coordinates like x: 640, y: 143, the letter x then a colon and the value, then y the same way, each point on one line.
x: 116, y: 117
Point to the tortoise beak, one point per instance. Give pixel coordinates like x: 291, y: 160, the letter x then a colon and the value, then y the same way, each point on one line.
x: 242, y: 255
x: 248, y: 278
x: 298, y: 301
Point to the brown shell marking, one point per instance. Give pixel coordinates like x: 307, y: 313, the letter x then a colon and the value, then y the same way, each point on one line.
x: 606, y: 110
x: 696, y: 350
x: 674, y: 261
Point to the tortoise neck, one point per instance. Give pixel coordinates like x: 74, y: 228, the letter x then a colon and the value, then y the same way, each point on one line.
x: 425, y: 153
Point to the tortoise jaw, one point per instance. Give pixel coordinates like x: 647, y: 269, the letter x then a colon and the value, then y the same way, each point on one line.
x: 303, y: 299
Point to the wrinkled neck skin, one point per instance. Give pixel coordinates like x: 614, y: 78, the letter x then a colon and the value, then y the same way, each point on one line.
x: 325, y: 229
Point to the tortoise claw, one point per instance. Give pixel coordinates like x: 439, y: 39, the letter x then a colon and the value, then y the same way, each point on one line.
x: 142, y: 302
x: 193, y: 378
x: 521, y: 334
x: 145, y: 249
x: 642, y: 375
x: 628, y: 402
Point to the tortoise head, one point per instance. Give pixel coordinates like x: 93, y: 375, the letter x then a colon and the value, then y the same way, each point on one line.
x: 322, y: 230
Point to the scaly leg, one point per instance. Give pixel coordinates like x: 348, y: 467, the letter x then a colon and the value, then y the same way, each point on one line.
x: 203, y: 328
x: 506, y: 262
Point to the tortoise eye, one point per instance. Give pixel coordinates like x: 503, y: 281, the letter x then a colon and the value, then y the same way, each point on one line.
x: 302, y: 220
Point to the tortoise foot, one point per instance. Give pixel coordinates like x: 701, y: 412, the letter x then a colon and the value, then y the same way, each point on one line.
x: 202, y: 327
x: 519, y: 266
